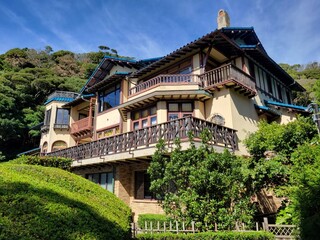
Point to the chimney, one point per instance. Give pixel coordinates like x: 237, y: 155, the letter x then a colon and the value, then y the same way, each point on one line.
x: 223, y: 19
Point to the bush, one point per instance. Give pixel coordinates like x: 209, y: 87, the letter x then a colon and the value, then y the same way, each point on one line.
x: 154, y: 218
x: 208, y: 236
x: 57, y: 162
x: 48, y: 203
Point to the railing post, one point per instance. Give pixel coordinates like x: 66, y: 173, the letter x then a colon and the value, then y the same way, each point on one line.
x: 265, y: 224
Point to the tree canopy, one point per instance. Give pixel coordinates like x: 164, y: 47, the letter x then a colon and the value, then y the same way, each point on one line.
x: 27, y: 77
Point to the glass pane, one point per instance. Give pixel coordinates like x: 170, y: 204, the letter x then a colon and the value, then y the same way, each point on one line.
x: 173, y: 107
x: 95, y: 178
x: 62, y: 116
x: 153, y: 110
x: 186, y: 107
x: 173, y: 116
x: 145, y: 113
x: 135, y: 125
x: 136, y: 115
x: 153, y: 121
x: 144, y: 123
x: 103, y: 180
x: 110, y: 182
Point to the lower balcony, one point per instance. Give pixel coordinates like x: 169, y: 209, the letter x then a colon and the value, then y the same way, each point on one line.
x: 145, y: 139
x: 81, y: 129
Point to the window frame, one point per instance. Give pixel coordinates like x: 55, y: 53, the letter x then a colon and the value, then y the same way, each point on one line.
x: 63, y: 116
x: 141, y: 119
x: 113, y: 89
x: 180, y: 113
x: 108, y: 174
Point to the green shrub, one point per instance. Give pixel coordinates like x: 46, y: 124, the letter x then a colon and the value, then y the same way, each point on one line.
x: 154, y: 218
x: 208, y: 236
x: 58, y: 162
x: 48, y: 203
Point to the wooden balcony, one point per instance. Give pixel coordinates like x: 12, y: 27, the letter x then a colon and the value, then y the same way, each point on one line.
x: 82, y: 128
x: 225, y: 76
x: 229, y: 76
x: 144, y: 138
x: 167, y: 79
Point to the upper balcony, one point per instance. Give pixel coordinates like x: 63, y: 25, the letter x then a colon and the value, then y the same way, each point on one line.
x: 224, y: 76
x: 229, y: 76
x: 82, y: 128
x: 141, y: 143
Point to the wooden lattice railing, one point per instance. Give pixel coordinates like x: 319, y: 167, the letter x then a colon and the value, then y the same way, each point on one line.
x: 142, y: 138
x: 225, y: 73
x: 164, y: 78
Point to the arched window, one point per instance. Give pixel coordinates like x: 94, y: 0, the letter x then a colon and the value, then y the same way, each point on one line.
x: 58, y: 145
x: 44, y: 147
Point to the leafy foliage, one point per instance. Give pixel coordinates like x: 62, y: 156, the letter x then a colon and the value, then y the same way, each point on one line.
x: 58, y: 162
x: 228, y: 235
x: 48, y: 203
x: 27, y: 77
x: 201, y: 185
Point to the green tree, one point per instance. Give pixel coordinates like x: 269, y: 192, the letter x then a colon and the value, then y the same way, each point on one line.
x: 202, y: 185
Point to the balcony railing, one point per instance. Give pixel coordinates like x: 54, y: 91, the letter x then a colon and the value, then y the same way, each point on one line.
x: 226, y: 74
x: 143, y: 138
x: 81, y: 125
x: 164, y: 78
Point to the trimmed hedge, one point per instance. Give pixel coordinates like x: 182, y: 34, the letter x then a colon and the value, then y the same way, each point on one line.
x: 49, y: 203
x: 57, y: 162
x: 228, y: 235
x: 154, y: 218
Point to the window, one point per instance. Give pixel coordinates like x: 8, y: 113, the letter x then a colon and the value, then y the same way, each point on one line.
x: 109, y: 132
x: 109, y: 98
x: 142, y: 186
x: 269, y: 83
x: 105, y: 180
x: 179, y: 110
x: 47, y: 117
x: 58, y: 145
x: 279, y: 92
x: 44, y: 147
x: 144, y: 118
x: 62, y: 116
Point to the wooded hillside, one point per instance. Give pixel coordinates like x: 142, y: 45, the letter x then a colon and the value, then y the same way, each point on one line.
x: 27, y: 77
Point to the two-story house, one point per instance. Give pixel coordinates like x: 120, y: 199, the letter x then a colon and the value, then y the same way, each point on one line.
x: 224, y: 81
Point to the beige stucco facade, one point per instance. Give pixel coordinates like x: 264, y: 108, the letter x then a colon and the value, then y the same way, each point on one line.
x: 197, y: 81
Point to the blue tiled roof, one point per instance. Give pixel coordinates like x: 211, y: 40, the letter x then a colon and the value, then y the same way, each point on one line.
x: 266, y: 109
x: 58, y: 99
x: 247, y: 46
x: 285, y: 105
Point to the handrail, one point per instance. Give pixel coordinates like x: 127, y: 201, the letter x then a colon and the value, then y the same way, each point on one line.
x: 82, y: 124
x: 226, y: 73
x: 164, y: 78
x: 143, y: 138
x: 219, y: 75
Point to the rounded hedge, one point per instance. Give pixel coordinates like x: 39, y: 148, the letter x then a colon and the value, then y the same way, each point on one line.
x: 48, y: 203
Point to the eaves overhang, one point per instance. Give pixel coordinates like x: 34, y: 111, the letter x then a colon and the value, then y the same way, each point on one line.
x: 287, y: 106
x: 117, y: 77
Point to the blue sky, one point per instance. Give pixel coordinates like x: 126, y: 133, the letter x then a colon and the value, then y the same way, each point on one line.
x: 288, y: 29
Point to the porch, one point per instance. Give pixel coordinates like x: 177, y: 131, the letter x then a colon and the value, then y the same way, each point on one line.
x: 123, y: 146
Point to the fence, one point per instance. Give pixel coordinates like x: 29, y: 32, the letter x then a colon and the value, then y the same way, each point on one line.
x: 281, y: 232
